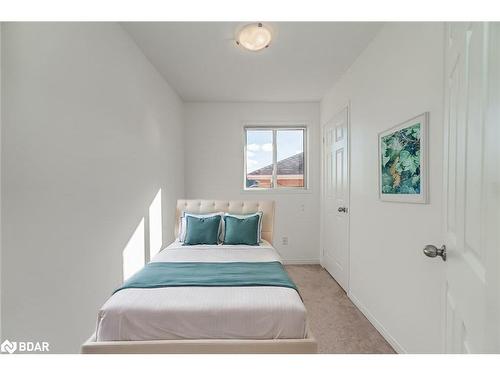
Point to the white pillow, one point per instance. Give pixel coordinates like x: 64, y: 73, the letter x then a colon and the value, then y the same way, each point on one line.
x: 244, y: 216
x: 182, y: 223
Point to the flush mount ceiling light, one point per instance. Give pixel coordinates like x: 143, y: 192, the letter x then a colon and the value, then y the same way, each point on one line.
x: 254, y: 37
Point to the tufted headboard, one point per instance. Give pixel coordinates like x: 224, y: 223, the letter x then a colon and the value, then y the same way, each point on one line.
x: 202, y: 206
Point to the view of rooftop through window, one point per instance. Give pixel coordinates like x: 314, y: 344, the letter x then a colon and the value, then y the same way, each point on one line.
x: 268, y: 169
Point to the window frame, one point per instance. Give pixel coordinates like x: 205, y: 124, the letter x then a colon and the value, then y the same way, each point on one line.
x: 275, y: 128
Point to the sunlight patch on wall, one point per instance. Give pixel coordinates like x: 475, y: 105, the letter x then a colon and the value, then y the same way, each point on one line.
x: 146, y: 241
x: 133, y: 254
x: 155, y: 226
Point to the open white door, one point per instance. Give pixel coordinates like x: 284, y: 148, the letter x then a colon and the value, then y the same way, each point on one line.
x: 335, y: 200
x: 471, y: 189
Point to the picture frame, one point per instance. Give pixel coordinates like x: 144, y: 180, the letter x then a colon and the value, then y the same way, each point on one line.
x: 402, y: 161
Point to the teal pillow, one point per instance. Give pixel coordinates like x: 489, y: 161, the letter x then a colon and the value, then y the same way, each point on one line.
x: 241, y: 231
x: 202, y: 230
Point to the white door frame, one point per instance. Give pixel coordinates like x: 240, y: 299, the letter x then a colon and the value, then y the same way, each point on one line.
x: 346, y: 104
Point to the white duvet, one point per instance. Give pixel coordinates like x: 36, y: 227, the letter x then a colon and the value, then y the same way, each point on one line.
x: 205, y: 312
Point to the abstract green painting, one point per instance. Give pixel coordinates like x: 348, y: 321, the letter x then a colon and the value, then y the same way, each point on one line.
x: 402, y: 162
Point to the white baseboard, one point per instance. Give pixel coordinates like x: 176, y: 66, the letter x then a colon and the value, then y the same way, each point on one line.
x: 301, y: 261
x: 385, y: 334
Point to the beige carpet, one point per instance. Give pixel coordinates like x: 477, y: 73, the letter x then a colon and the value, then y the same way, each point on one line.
x: 337, y: 325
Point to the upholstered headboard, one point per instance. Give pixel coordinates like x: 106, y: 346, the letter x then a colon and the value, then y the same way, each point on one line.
x: 202, y: 206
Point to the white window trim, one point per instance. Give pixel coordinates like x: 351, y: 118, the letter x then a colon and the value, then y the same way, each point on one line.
x: 275, y: 127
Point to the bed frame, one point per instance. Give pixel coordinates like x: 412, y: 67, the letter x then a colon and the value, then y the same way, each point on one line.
x: 222, y: 346
x: 211, y: 346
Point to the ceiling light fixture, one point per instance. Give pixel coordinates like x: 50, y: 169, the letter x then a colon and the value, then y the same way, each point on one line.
x: 254, y: 37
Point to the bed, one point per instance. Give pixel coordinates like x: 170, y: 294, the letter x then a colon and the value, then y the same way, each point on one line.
x: 200, y: 319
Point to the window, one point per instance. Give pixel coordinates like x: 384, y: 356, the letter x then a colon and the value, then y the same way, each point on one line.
x: 275, y: 157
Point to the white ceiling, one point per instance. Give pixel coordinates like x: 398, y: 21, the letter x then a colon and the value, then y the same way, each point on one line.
x: 201, y: 61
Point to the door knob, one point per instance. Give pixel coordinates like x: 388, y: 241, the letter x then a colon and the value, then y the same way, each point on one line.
x: 342, y: 209
x: 432, y: 251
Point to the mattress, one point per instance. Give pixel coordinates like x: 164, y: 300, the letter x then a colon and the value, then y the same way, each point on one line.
x: 175, y: 313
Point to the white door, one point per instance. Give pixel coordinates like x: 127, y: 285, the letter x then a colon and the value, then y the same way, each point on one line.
x: 471, y: 195
x: 336, y: 197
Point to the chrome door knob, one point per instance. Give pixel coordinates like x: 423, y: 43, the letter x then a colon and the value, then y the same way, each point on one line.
x: 432, y: 251
x: 342, y: 209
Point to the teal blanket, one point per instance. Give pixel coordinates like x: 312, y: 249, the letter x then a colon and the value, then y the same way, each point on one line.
x: 163, y: 274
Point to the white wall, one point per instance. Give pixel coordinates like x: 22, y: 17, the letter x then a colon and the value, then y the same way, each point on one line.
x: 214, y: 143
x: 1, y: 25
x: 399, y: 76
x: 91, y: 132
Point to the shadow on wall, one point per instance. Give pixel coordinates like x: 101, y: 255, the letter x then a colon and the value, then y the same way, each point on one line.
x: 146, y: 240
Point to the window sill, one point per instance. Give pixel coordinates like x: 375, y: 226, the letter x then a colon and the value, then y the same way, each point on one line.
x: 278, y: 191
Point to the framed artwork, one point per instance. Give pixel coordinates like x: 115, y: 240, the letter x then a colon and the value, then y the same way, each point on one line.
x: 402, y: 161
